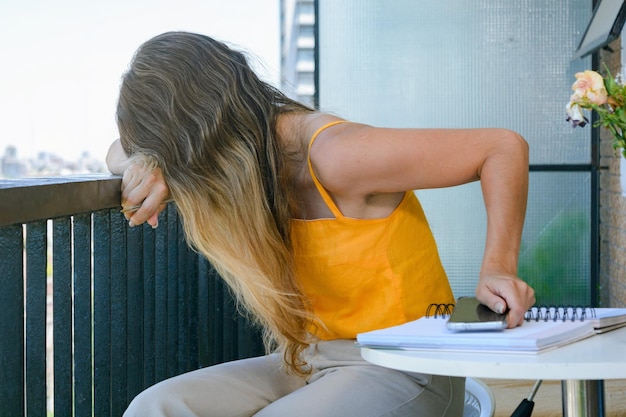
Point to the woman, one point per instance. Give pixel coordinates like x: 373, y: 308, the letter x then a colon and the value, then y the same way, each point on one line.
x: 312, y: 221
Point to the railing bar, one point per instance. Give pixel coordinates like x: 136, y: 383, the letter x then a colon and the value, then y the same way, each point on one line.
x: 83, y: 348
x: 184, y: 301
x: 12, y: 330
x: 102, y: 313
x: 148, y: 307
x: 203, y: 313
x: 36, y: 314
x: 119, y: 324
x: 172, y: 294
x: 160, y: 299
x: 190, y: 265
x: 229, y: 321
x: 134, y: 279
x: 216, y: 321
x: 250, y: 342
x: 242, y: 339
x: 62, y: 316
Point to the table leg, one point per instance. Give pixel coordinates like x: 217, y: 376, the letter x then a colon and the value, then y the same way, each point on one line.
x: 583, y: 398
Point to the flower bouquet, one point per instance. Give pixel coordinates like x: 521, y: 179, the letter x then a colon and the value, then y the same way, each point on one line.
x: 604, y: 95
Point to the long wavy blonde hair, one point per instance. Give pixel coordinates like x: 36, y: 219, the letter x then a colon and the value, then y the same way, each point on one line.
x: 193, y: 107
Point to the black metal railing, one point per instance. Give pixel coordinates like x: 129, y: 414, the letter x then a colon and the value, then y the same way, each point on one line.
x: 93, y: 311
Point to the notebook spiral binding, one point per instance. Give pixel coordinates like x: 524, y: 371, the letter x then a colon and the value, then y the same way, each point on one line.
x: 562, y: 313
x: 439, y: 310
x: 537, y: 313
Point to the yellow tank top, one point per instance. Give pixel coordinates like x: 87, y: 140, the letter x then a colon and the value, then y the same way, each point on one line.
x: 367, y: 274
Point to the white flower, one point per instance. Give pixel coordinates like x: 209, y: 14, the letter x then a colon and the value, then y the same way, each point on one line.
x: 575, y: 114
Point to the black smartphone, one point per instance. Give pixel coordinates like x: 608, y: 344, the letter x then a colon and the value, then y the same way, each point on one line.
x: 469, y: 314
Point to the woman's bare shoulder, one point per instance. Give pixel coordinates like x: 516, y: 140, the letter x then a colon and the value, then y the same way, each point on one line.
x: 297, y: 129
x: 312, y: 122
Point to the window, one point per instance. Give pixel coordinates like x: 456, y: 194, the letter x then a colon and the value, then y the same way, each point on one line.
x: 453, y: 63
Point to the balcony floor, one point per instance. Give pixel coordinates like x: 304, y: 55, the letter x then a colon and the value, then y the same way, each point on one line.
x: 509, y: 393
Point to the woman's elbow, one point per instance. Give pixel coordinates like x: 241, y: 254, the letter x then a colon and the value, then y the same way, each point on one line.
x: 515, y: 144
x: 116, y: 158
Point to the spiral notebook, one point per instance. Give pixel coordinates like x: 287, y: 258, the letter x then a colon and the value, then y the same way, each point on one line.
x: 545, y: 328
x: 604, y: 319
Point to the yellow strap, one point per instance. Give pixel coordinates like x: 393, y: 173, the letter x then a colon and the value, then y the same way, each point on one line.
x: 327, y: 199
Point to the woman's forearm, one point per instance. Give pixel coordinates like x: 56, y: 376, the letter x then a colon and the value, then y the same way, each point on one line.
x: 504, y: 182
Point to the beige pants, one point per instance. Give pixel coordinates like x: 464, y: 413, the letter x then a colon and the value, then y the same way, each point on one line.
x: 342, y: 385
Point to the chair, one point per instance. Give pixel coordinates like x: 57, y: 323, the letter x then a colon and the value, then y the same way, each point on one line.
x: 479, y: 400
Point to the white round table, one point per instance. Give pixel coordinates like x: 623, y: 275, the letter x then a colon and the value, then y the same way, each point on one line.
x: 579, y: 365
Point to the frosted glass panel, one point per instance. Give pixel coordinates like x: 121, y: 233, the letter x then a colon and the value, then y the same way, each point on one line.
x: 555, y: 245
x: 480, y: 63
x: 457, y: 63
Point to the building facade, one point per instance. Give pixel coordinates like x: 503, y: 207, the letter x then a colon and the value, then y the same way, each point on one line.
x: 298, y: 50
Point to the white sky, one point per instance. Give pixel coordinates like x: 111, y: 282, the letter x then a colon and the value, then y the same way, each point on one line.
x: 61, y: 61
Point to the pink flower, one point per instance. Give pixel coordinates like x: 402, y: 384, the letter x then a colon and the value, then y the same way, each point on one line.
x: 603, y: 96
x: 589, y: 88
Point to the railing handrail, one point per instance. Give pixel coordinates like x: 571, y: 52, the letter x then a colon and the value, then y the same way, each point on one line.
x: 28, y: 199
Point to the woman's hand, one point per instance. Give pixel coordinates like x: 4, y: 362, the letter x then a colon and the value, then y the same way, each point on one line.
x: 143, y: 187
x: 506, y: 293
x: 144, y: 191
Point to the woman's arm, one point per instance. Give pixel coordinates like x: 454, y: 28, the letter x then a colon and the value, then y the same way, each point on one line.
x: 117, y: 161
x: 141, y: 186
x: 363, y: 161
x: 504, y: 182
